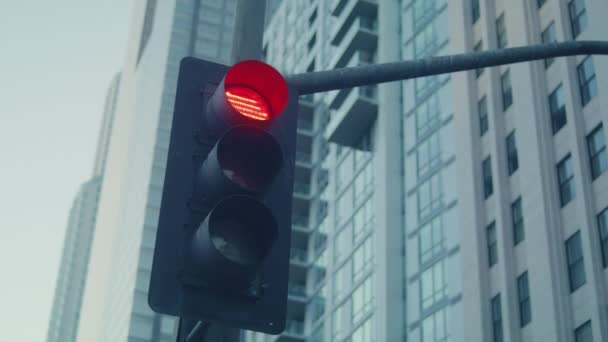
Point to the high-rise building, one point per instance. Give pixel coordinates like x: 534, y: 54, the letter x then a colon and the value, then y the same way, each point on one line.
x: 79, y: 235
x: 115, y: 305
x: 461, y: 207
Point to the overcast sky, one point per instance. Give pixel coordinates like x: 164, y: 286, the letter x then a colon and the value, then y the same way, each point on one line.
x: 56, y: 61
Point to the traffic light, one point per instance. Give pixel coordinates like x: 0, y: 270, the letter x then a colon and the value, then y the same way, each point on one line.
x: 224, y: 230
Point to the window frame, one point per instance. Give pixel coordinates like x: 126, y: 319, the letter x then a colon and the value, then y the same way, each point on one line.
x: 487, y: 180
x: 602, y: 227
x: 506, y: 90
x: 501, y: 32
x: 578, y: 19
x: 475, y: 11
x: 484, y: 119
x: 598, y: 157
x: 492, y: 244
x: 565, y: 179
x: 557, y: 109
x: 496, y: 313
x: 587, y: 84
x: 517, y: 219
x: 585, y: 329
x: 523, y: 299
x: 512, y: 158
x: 573, y: 246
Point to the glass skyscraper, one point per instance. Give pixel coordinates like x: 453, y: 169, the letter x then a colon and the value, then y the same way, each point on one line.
x: 115, y: 306
x: 72, y: 273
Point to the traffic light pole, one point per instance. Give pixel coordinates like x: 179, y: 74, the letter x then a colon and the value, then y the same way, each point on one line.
x: 322, y: 81
x: 248, y: 30
x: 198, y: 331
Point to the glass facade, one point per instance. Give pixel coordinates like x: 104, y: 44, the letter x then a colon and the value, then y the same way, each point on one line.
x: 82, y: 220
x: 429, y: 171
x: 72, y: 273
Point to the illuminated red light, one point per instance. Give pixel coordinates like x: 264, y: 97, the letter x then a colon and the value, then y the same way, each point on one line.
x: 248, y: 102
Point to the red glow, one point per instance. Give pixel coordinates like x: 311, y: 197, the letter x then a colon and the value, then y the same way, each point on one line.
x: 248, y: 103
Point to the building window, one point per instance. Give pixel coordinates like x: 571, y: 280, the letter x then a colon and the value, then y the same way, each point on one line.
x: 583, y: 333
x: 423, y: 10
x: 501, y: 32
x: 597, y: 152
x: 565, y: 177
x: 578, y: 17
x: 313, y: 17
x: 341, y: 279
x: 434, y: 327
x: 492, y: 244
x: 475, y: 10
x: 482, y: 109
x: 430, y: 240
x: 518, y: 222
x: 428, y: 155
x: 364, y: 333
x: 362, y: 259
x: 512, y: 160
x: 311, y: 42
x: 507, y: 91
x: 146, y: 30
x: 576, y: 267
x: 586, y: 80
x: 427, y: 41
x: 602, y: 225
x: 339, y: 323
x: 362, y: 299
x: 548, y: 36
x: 540, y: 3
x: 427, y: 116
x: 478, y: 47
x: 433, y: 286
x: 557, y: 109
x: 429, y: 197
x: 496, y: 319
x: 523, y: 296
x: 486, y: 170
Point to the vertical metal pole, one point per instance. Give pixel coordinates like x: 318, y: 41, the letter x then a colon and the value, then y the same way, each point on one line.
x: 248, y: 30
x: 189, y: 330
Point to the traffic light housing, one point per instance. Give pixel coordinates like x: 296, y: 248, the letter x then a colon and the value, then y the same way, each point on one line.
x: 224, y: 230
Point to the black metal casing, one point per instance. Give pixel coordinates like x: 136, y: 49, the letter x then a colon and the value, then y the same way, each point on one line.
x: 177, y: 286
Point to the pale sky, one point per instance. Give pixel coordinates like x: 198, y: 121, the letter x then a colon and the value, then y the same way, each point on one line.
x: 57, y: 58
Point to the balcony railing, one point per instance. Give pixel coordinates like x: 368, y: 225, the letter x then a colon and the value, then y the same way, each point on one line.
x: 299, y: 220
x: 301, y: 188
x: 304, y: 124
x: 294, y: 327
x: 298, y: 255
x: 303, y: 157
x: 297, y: 290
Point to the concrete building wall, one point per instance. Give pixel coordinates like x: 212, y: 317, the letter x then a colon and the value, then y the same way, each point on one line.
x: 163, y: 32
x: 67, y: 302
x: 435, y: 150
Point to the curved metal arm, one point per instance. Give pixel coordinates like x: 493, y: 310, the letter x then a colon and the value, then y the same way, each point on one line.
x: 320, y: 81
